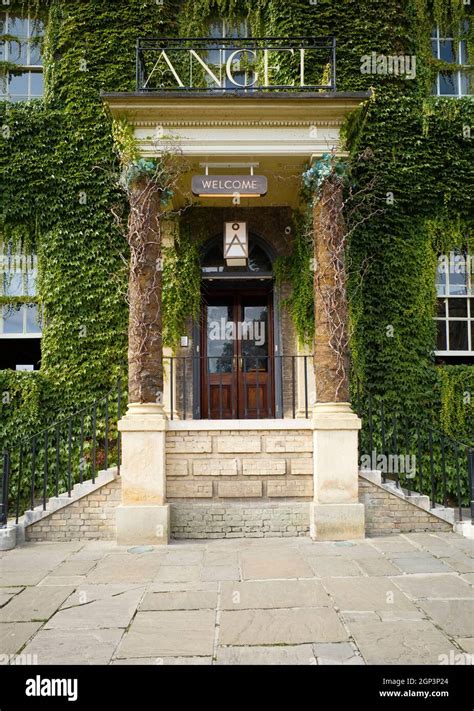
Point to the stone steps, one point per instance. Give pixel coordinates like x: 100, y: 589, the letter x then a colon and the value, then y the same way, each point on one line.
x: 15, y: 533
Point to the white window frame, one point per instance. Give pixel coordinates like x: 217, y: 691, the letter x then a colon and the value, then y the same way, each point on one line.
x: 13, y: 264
x: 27, y: 68
x: 436, y: 39
x: 468, y: 319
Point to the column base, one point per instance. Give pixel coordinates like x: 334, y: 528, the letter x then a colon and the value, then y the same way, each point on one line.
x: 336, y: 522
x: 143, y: 525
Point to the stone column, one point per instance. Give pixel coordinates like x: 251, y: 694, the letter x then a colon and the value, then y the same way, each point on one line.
x: 336, y: 513
x: 143, y: 516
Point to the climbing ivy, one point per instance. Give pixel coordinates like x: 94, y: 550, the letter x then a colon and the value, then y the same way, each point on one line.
x: 61, y: 191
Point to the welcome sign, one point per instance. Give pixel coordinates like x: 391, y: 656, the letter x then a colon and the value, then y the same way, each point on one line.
x: 229, y: 185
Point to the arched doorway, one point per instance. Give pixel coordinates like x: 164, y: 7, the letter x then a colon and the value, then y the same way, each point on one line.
x: 238, y: 335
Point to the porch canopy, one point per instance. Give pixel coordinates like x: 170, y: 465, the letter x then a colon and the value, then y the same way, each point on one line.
x: 280, y: 132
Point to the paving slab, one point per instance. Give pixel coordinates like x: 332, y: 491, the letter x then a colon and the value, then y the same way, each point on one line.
x: 87, y: 593
x: 189, y: 600
x: 23, y: 576
x: 467, y: 643
x: 337, y: 567
x: 460, y: 562
x: 282, y: 626
x: 393, y: 544
x: 376, y: 593
x: 68, y: 580
x: 409, y: 642
x: 455, y: 617
x: 34, y: 604
x: 220, y: 572
x: 108, y: 612
x: 377, y: 566
x: 260, y: 564
x: 183, y: 557
x: 434, y: 586
x: 219, y: 558
x: 6, y: 594
x: 292, y: 655
x: 125, y: 568
x: 338, y: 653
x: 73, y: 567
x: 419, y: 562
x: 170, y: 633
x: 468, y: 577
x: 164, y: 661
x: 74, y: 646
x: 14, y: 635
x: 178, y: 574
x: 184, y: 586
x: 273, y: 594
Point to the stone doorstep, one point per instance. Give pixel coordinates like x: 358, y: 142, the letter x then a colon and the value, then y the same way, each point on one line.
x: 56, y: 503
x: 421, y: 501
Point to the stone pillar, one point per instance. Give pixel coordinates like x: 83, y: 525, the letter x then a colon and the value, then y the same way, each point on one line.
x: 143, y: 516
x: 336, y: 513
x: 305, y: 385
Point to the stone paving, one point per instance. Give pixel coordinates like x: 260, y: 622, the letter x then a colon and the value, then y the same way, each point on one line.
x: 404, y: 599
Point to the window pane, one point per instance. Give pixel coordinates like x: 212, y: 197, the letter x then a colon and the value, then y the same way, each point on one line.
x: 37, y: 84
x: 2, y: 51
x: 447, y: 84
x: 36, y: 28
x: 35, y: 54
x: 467, y: 83
x: 446, y: 51
x: 457, y: 283
x: 463, y: 52
x: 18, y: 83
x: 441, y: 308
x: 441, y: 336
x: 216, y: 29
x: 458, y: 307
x: 32, y: 319
x: 13, y: 319
x: 434, y: 48
x: 18, y: 52
x: 3, y: 23
x: 458, y: 335
x: 440, y: 281
x: 17, y: 27
x: 30, y: 283
x: 13, y: 284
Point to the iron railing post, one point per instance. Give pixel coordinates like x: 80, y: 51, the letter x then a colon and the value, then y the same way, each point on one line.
x: 470, y: 459
x: 4, y: 498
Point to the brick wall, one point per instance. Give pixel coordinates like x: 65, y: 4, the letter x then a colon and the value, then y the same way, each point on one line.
x: 233, y: 464
x: 91, y: 517
x: 239, y: 520
x: 387, y: 513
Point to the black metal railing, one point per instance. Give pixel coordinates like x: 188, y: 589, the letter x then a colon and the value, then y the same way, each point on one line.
x: 65, y: 453
x: 234, y: 387
x: 236, y: 64
x: 415, y: 454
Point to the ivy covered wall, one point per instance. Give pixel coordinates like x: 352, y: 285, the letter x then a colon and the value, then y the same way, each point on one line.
x: 60, y: 174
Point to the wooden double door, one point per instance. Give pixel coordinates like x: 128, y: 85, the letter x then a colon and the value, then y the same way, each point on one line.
x: 237, y: 364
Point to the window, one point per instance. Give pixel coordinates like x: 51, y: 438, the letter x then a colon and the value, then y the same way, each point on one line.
x: 455, y: 310
x: 20, y: 323
x: 243, y: 75
x: 21, y: 46
x: 213, y: 261
x: 455, y: 81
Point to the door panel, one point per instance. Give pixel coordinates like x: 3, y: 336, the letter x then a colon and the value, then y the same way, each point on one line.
x: 237, y: 378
